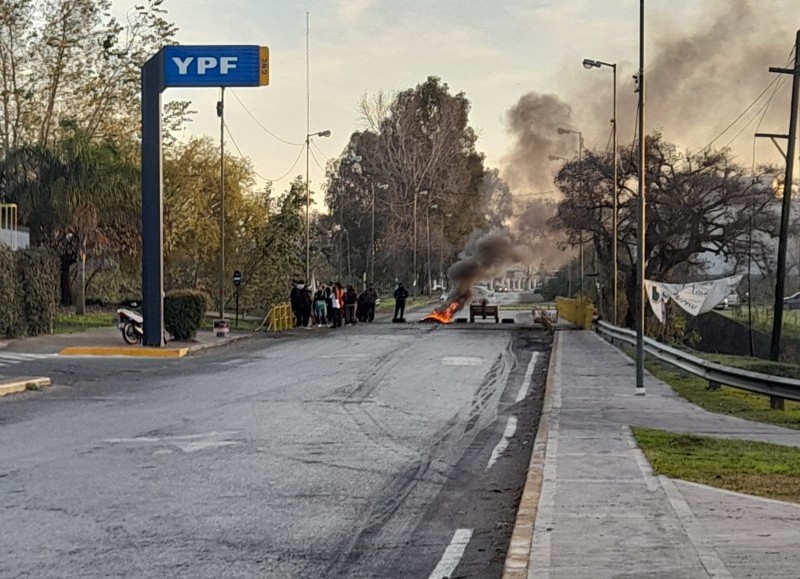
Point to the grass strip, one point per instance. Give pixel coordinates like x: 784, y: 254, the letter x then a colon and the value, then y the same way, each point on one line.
x: 727, y: 400
x: 756, y: 468
x: 69, y: 323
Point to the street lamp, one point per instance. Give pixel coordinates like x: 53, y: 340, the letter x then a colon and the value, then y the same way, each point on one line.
x: 416, y: 194
x: 641, y: 219
x: 308, y: 203
x: 383, y: 186
x: 590, y: 64
x: 428, y: 233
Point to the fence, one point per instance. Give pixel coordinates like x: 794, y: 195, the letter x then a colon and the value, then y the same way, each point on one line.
x: 578, y: 312
x: 280, y: 318
x: 776, y: 387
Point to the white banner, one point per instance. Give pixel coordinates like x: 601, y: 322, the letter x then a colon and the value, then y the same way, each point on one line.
x: 696, y: 298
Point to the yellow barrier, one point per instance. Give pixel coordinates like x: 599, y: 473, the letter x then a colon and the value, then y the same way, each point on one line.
x: 578, y: 312
x: 280, y: 318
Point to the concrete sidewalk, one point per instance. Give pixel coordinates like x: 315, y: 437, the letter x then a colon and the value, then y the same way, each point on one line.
x: 601, y: 512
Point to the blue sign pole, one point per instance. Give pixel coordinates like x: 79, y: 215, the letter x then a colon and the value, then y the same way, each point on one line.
x: 178, y: 66
x: 152, y: 203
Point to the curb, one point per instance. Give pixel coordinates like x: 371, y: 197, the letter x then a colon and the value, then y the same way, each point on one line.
x: 142, y: 352
x: 519, y: 551
x: 22, y: 384
x: 117, y: 351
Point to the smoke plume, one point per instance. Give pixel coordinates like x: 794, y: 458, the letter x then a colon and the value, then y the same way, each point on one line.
x: 533, y: 124
x: 484, y: 257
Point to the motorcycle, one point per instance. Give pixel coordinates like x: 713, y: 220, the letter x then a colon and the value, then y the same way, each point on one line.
x: 131, y: 323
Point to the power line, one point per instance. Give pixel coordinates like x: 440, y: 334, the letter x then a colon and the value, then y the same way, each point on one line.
x: 252, y: 116
x: 236, y: 146
x: 313, y: 156
x: 750, y: 106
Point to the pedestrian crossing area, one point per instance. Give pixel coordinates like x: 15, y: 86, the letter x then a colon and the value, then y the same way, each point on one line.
x: 11, y: 358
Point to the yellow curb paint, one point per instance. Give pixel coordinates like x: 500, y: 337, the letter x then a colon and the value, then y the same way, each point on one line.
x: 22, y: 385
x: 519, y: 554
x: 132, y: 351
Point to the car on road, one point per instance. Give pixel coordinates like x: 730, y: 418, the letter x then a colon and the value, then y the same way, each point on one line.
x: 732, y: 301
x: 792, y: 302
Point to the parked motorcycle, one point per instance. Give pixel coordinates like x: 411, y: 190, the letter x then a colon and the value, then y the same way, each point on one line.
x: 131, y: 323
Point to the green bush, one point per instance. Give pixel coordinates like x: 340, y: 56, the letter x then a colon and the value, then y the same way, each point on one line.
x: 183, y: 312
x: 37, y: 274
x: 11, y: 314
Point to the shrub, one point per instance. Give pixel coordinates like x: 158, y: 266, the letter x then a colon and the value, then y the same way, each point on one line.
x: 11, y: 309
x: 38, y: 275
x: 183, y: 312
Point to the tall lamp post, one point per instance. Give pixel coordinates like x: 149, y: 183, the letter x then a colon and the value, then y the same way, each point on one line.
x: 428, y: 234
x: 589, y: 64
x: 414, y: 281
x: 308, y: 203
x: 383, y: 186
x: 640, y: 253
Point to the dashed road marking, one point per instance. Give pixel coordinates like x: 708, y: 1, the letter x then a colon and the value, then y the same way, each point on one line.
x: 461, y: 361
x: 526, y: 381
x: 452, y: 555
x: 511, y: 428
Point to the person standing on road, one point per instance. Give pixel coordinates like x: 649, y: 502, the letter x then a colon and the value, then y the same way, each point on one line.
x: 319, y: 306
x: 400, y: 296
x: 370, y: 299
x: 350, y: 300
x: 337, y: 299
x: 296, y: 301
x: 306, y: 303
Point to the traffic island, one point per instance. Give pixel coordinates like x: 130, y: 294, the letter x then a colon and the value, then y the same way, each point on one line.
x: 18, y: 385
x: 203, y: 340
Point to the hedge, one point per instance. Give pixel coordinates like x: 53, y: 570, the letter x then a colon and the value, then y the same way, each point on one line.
x: 183, y: 312
x: 38, y: 276
x: 28, y: 292
x: 11, y: 309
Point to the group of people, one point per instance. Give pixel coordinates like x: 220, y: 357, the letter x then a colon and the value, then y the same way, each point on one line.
x: 331, y: 305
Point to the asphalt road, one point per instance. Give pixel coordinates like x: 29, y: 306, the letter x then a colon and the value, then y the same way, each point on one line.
x: 383, y: 450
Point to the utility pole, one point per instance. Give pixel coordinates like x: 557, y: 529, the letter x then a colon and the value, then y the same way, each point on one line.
x: 641, y: 252
x: 777, y: 321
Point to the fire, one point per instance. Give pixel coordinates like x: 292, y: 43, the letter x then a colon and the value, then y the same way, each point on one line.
x: 444, y: 314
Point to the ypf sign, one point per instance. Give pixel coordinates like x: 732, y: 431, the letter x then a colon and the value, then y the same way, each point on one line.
x: 216, y: 65
x: 179, y: 66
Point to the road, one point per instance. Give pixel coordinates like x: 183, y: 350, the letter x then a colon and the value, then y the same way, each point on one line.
x: 382, y: 450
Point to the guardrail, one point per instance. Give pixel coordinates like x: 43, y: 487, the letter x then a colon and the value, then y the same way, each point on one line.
x: 280, y: 318
x: 776, y: 387
x: 576, y: 311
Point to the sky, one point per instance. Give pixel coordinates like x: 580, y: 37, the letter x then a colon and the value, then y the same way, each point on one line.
x: 495, y: 52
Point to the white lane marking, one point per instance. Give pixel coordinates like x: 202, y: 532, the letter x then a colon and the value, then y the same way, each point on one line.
x: 511, y: 428
x: 694, y: 530
x: 186, y: 443
x: 461, y: 361
x: 526, y: 381
x: 343, y: 356
x: 452, y: 555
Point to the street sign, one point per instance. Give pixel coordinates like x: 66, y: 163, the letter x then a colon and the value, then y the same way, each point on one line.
x: 237, y: 278
x: 242, y: 65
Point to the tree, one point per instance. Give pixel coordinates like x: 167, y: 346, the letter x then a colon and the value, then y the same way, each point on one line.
x: 420, y: 144
x: 87, y: 68
x: 699, y: 207
x: 59, y: 189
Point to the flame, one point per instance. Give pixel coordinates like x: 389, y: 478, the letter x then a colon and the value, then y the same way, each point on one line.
x: 444, y: 314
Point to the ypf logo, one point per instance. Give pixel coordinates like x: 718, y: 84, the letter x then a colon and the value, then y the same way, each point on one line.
x: 203, y: 64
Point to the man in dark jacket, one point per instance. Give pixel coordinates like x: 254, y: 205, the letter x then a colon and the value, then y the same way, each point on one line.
x: 296, y: 301
x: 370, y: 297
x: 400, y: 296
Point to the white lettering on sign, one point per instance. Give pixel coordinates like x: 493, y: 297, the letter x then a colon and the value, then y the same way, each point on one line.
x: 227, y: 63
x: 205, y: 63
x: 182, y: 64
